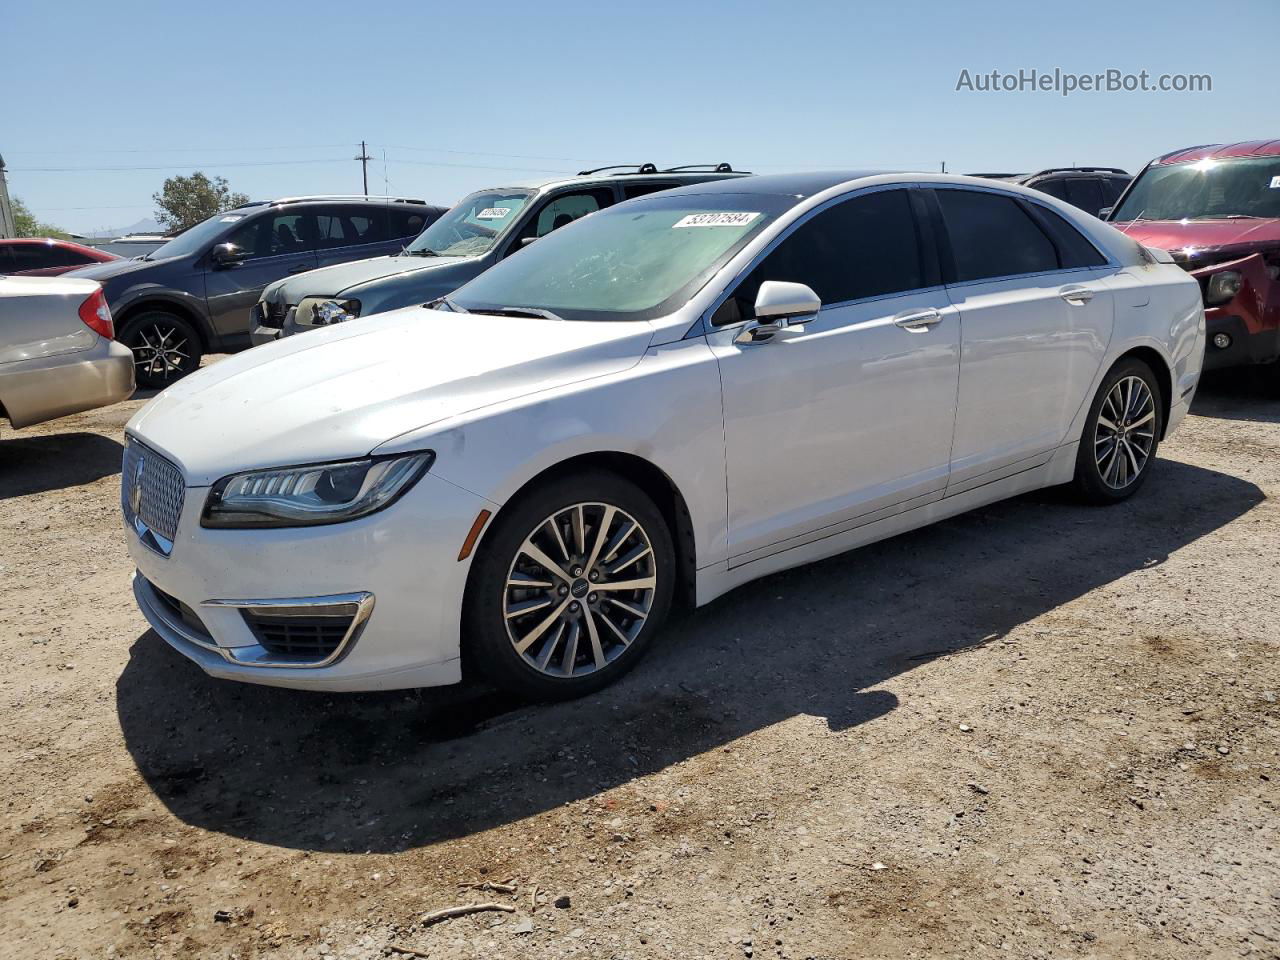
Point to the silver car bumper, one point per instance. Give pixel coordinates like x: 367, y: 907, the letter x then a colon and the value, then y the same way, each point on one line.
x: 32, y: 391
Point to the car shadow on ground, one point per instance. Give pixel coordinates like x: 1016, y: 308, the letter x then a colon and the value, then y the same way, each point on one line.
x: 1240, y: 393
x: 395, y: 771
x: 44, y: 463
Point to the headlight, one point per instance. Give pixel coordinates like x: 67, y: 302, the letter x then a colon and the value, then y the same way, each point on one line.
x: 1222, y: 287
x: 315, y: 494
x: 324, y: 312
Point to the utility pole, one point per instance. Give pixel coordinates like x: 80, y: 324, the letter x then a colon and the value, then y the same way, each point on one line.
x: 944, y: 166
x: 364, y: 159
x: 7, y: 227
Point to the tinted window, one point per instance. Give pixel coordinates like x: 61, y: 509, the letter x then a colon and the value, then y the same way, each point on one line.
x: 1054, y: 188
x: 864, y: 247
x: 991, y: 236
x: 1113, y: 187
x: 630, y: 190
x: 408, y: 223
x: 35, y: 256
x: 350, y: 226
x: 276, y: 236
x: 1074, y: 248
x: 6, y: 258
x: 1085, y: 193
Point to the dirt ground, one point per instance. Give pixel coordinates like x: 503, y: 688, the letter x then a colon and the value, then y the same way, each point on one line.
x: 1038, y: 730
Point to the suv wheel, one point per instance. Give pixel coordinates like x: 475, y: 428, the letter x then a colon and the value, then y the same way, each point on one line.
x: 569, y: 587
x: 165, y: 347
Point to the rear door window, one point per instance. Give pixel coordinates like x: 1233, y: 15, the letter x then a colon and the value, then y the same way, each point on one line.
x: 1054, y: 188
x: 1085, y: 193
x: 630, y: 190
x: 407, y: 222
x: 1074, y: 248
x: 992, y: 236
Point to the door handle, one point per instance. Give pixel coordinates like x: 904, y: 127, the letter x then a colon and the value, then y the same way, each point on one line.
x: 918, y: 321
x: 1076, y: 296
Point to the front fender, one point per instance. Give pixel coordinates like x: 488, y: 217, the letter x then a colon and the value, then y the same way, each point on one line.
x: 665, y: 410
x: 138, y: 294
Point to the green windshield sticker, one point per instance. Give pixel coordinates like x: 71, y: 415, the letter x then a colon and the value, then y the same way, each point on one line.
x: 715, y: 220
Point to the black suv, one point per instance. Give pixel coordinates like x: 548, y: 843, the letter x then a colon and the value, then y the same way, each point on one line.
x: 194, y: 294
x: 1092, y: 189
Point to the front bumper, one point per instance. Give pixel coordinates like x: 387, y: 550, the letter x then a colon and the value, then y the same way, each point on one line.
x: 32, y: 391
x: 1250, y: 320
x: 404, y: 556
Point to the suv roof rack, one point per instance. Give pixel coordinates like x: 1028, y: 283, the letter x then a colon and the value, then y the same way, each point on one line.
x: 330, y: 196
x: 625, y: 167
x: 709, y: 167
x: 1041, y: 173
x: 995, y: 176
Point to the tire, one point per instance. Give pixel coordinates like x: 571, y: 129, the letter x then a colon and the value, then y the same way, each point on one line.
x: 165, y: 347
x: 575, y: 635
x: 1129, y: 408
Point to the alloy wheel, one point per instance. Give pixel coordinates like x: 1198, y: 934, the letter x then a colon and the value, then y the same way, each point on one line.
x: 579, y: 590
x: 1126, y: 432
x: 160, y: 351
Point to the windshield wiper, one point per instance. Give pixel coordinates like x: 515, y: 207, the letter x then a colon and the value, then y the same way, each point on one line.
x: 1227, y: 216
x: 432, y: 304
x: 423, y: 252
x: 522, y: 312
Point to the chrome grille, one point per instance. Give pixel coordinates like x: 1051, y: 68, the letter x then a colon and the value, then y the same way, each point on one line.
x: 151, y: 492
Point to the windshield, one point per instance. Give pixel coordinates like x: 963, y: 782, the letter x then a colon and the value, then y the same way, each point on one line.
x: 195, y: 239
x: 472, y: 227
x: 635, y: 261
x: 1206, y: 190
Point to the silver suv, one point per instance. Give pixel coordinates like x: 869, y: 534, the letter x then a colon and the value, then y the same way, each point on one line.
x: 484, y: 228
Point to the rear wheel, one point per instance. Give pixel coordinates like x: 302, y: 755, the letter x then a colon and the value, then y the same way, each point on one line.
x: 1121, y: 434
x: 165, y: 347
x: 569, y: 588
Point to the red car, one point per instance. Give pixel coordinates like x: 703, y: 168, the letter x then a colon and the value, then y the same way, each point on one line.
x: 1216, y: 209
x: 46, y: 257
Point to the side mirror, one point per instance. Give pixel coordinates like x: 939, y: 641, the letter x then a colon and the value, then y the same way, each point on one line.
x: 228, y: 255
x: 527, y: 240
x: 1105, y: 213
x: 779, y: 300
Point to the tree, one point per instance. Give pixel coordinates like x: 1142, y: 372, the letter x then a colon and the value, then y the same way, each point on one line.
x: 185, y: 201
x: 28, y: 226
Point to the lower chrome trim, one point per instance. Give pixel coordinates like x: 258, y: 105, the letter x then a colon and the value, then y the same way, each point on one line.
x: 359, y: 606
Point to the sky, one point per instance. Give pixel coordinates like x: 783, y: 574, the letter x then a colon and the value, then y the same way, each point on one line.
x: 102, y: 101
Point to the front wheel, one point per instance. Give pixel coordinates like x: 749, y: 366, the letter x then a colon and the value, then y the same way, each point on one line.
x: 1121, y: 434
x: 165, y: 348
x: 569, y: 587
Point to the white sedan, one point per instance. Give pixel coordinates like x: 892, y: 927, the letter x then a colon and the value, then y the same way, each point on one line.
x: 666, y: 399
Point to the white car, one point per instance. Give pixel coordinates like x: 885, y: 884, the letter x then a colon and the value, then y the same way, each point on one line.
x: 670, y: 397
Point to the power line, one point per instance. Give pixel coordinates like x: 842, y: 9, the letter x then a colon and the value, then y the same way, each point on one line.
x: 80, y: 151
x: 473, y: 166
x: 175, y: 166
x: 482, y: 153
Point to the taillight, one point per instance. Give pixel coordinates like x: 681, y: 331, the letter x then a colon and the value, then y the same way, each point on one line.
x: 97, y: 315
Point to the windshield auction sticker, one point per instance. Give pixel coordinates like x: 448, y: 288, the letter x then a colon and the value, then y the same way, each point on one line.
x: 1275, y: 183
x: 493, y: 213
x: 725, y: 219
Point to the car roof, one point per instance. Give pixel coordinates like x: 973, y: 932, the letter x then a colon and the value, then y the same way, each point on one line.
x: 46, y: 241
x: 781, y: 184
x: 1221, y: 151
x: 682, y: 176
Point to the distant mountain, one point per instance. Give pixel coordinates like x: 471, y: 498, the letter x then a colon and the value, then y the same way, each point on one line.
x: 146, y: 225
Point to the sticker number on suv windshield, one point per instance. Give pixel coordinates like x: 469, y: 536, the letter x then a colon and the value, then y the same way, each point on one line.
x: 1275, y: 183
x: 493, y: 213
x: 715, y: 220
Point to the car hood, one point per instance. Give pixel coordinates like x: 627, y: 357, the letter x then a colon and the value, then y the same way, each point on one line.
x: 341, y: 391
x: 1226, y: 238
x: 109, y: 271
x: 341, y: 277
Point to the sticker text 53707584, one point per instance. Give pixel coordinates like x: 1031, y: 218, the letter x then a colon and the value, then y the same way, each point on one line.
x: 721, y: 219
